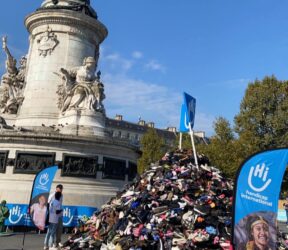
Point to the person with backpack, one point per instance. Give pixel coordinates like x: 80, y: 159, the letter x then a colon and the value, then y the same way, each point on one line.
x: 59, y: 230
x: 55, y: 210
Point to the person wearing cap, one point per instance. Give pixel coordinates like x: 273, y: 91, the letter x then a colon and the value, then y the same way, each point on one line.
x: 4, y: 214
x: 259, y: 235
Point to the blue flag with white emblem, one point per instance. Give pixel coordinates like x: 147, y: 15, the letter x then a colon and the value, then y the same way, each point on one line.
x: 184, y: 122
x: 256, y: 194
x: 187, y: 113
x: 39, y: 196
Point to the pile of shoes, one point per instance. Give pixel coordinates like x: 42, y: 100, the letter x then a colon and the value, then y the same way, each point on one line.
x: 173, y: 205
x: 282, y: 240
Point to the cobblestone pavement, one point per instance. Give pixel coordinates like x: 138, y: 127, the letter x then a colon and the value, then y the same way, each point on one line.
x: 33, y: 241
x: 283, y: 227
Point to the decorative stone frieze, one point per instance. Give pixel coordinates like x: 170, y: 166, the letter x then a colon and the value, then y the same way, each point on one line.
x: 33, y: 162
x: 47, y: 42
x: 81, y: 166
x: 113, y: 169
x: 3, y: 160
x: 66, y: 22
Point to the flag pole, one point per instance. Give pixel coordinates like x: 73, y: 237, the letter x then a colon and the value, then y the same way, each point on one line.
x: 23, y: 242
x: 193, y: 144
x: 180, y: 141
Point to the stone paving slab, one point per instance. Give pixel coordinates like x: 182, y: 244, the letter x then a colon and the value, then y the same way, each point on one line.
x: 33, y: 241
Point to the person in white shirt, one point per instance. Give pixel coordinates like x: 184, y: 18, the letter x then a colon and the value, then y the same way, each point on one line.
x: 54, y: 213
x: 59, y: 188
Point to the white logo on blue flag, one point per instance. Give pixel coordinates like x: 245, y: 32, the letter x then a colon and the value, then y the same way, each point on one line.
x: 44, y: 178
x: 190, y: 103
x: 184, y: 121
x: 67, y: 216
x: 15, y: 215
x: 43, y: 181
x: 259, y: 173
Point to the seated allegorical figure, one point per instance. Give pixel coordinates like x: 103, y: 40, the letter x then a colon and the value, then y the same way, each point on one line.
x: 81, y: 90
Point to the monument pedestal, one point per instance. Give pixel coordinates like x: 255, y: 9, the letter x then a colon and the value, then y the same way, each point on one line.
x: 82, y: 122
x: 57, y: 120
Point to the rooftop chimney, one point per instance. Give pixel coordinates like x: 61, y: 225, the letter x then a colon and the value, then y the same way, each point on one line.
x: 119, y: 117
x: 141, y: 122
x: 171, y: 129
x: 200, y: 134
x: 151, y: 124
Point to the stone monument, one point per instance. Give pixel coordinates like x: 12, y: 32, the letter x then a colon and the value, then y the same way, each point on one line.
x: 52, y: 110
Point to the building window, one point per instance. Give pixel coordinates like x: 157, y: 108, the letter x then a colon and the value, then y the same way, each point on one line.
x: 136, y: 137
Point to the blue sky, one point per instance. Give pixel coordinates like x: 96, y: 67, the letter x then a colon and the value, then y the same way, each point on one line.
x: 156, y: 49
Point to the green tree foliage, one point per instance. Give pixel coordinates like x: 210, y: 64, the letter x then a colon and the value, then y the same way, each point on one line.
x: 224, y: 151
x: 262, y: 121
x: 186, y: 141
x: 260, y: 124
x: 153, y: 148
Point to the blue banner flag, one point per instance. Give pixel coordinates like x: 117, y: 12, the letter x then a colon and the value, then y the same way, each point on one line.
x: 184, y: 121
x: 39, y: 196
x: 190, y: 106
x: 19, y: 215
x: 257, y: 190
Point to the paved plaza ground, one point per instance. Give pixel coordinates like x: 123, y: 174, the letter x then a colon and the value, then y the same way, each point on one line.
x: 34, y: 241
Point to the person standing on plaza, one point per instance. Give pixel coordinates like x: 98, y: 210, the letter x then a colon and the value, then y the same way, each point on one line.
x: 59, y: 188
x: 55, y: 210
x: 4, y: 214
x: 285, y: 205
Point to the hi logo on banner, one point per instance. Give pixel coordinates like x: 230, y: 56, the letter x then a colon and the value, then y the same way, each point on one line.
x: 44, y: 179
x: 67, y: 216
x: 259, y: 174
x: 15, y: 215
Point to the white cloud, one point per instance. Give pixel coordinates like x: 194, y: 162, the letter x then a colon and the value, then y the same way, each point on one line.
x: 137, y: 54
x: 232, y: 83
x: 153, y: 102
x: 118, y: 63
x: 115, y: 61
x: 204, y: 122
x: 154, y: 65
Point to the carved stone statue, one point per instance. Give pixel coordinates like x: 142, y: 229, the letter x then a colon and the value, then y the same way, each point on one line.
x: 75, y: 5
x: 12, y: 83
x: 81, y: 89
x: 47, y: 42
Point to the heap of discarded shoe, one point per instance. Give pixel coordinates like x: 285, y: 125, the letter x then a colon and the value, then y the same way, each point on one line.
x: 173, y: 205
x: 282, y: 240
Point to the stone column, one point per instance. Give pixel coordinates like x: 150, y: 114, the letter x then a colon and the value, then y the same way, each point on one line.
x: 59, y: 37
